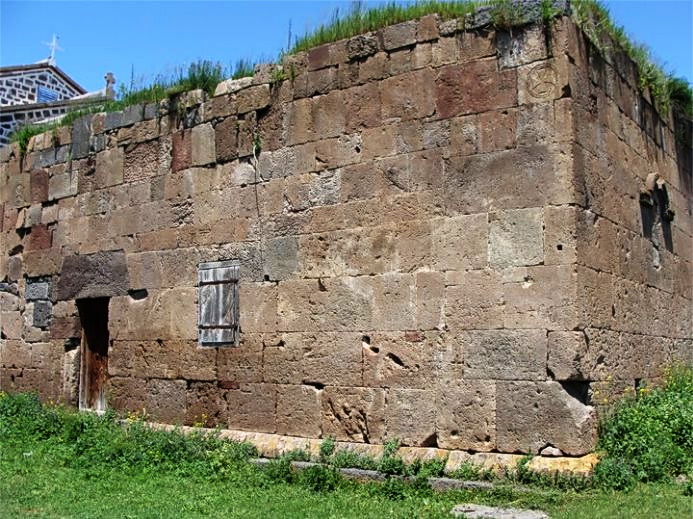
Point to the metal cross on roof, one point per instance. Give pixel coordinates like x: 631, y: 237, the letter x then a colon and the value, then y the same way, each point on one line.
x: 53, y: 46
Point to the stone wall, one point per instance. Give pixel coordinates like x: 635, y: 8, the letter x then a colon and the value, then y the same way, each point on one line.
x: 440, y: 237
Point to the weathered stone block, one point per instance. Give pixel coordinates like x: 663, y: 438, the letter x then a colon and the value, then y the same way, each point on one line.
x: 532, y: 415
x: 362, y: 107
x: 181, y: 150
x: 245, y: 363
x: 466, y: 415
x: 394, y: 302
x: 542, y: 297
x: 102, y: 274
x: 408, y: 96
x: 202, y: 143
x: 410, y: 417
x: 165, y: 400
x: 430, y: 296
x: 427, y: 28
x: 204, y: 405
x: 516, y: 238
x: 329, y: 114
x: 473, y: 300
x: 353, y: 414
x: 473, y: 88
x: 400, y: 35
x: 567, y: 356
x: 398, y: 360
x: 362, y: 46
x: 109, y: 168
x: 298, y: 411
x: 141, y: 161
x: 253, y: 98
x: 518, y: 48
x: 38, y: 185
x: 332, y: 359
x: 470, y: 189
x: 504, y: 354
x: 252, y: 407
x: 39, y: 238
x: 461, y: 242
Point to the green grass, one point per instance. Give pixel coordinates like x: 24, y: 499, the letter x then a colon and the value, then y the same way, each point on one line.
x: 59, y: 463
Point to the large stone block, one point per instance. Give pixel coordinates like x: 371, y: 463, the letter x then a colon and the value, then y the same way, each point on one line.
x: 165, y: 400
x: 394, y: 302
x: 299, y: 411
x: 329, y: 114
x: 204, y: 405
x: 470, y: 188
x: 258, y: 303
x: 353, y: 414
x: 322, y: 359
x: 408, y: 96
x: 202, y: 145
x: 533, y: 415
x: 403, y: 360
x: 410, y: 417
x: 252, y: 407
x: 430, y: 297
x: 504, y: 354
x: 473, y: 300
x: 568, y: 356
x: 141, y: 161
x: 281, y: 257
x: 102, y: 274
x: 474, y: 87
x: 460, y: 242
x: 543, y: 296
x: 38, y: 185
x: 466, y: 415
x: 516, y: 238
x: 109, y: 168
x: 245, y: 363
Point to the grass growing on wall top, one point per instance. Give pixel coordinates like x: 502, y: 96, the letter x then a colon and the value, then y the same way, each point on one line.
x: 667, y: 90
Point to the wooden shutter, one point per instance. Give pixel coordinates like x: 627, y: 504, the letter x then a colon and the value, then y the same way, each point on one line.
x: 218, y: 303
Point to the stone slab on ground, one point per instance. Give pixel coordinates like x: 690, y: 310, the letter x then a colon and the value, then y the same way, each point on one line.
x: 473, y: 511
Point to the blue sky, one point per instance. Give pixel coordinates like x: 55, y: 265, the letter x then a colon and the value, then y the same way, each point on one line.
x: 155, y: 37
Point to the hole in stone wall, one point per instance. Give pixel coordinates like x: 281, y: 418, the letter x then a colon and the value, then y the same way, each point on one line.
x: 266, y: 278
x: 316, y: 385
x: 559, y: 247
x: 71, y: 344
x: 394, y: 358
x: 321, y: 286
x: 138, y: 295
x: 366, y: 339
x: 579, y: 390
x: 431, y: 441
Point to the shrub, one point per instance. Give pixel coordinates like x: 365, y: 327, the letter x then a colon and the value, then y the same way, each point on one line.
x: 649, y: 437
x: 320, y: 478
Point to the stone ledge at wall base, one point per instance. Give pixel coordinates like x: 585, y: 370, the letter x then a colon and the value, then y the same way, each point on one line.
x: 274, y: 445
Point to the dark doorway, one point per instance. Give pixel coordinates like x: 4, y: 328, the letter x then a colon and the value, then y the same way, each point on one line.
x: 93, y: 314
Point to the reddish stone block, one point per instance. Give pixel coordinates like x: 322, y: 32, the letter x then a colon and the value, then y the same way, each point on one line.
x: 65, y: 327
x: 226, y: 139
x: 182, y: 150
x: 40, y: 237
x: 38, y: 185
x: 319, y: 57
x: 474, y: 87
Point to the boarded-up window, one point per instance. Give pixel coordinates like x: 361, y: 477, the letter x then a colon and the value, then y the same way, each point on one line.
x: 218, y: 297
